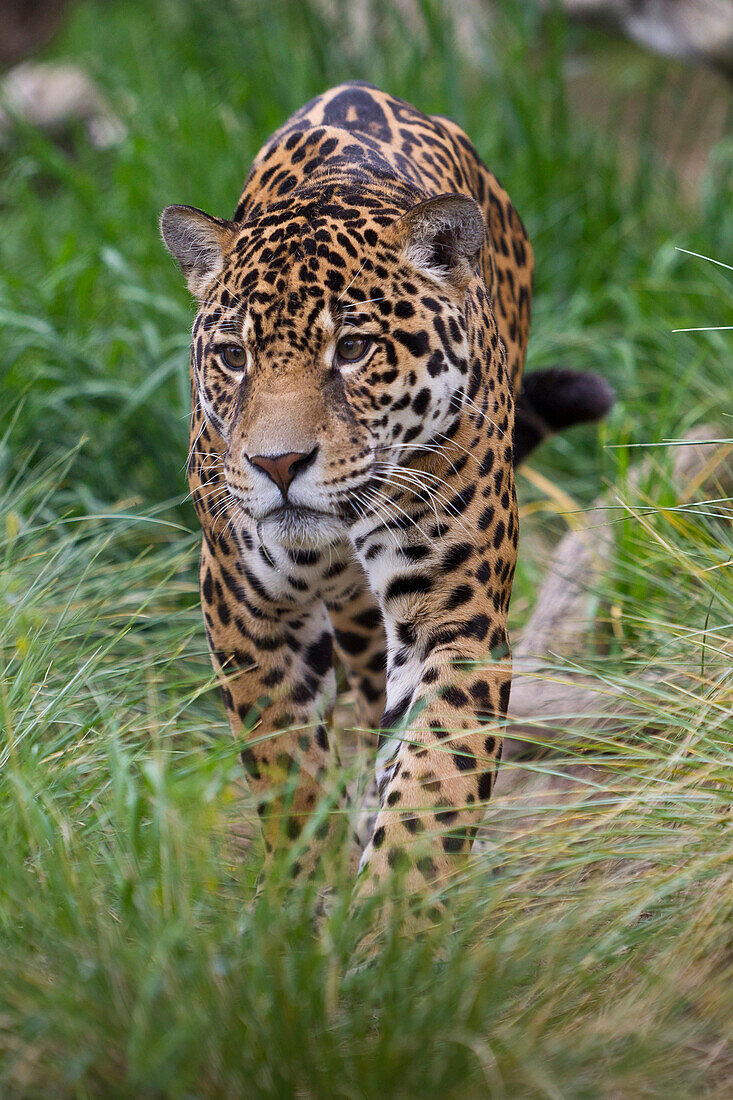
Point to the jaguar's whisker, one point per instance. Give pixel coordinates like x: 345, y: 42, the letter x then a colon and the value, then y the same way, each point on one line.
x: 407, y: 516
x: 409, y: 488
x: 379, y: 510
x: 447, y: 438
x: 382, y: 510
x: 450, y: 508
x: 366, y: 258
x: 420, y: 446
x: 481, y: 412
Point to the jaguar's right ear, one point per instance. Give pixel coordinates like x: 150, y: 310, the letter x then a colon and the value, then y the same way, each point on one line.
x: 197, y: 243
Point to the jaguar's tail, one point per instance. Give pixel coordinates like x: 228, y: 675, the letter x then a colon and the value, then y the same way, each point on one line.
x: 554, y: 399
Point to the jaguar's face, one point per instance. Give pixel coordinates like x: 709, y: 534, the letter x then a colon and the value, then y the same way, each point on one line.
x: 323, y: 359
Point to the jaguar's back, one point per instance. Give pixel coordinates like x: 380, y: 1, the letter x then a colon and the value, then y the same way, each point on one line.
x: 384, y: 145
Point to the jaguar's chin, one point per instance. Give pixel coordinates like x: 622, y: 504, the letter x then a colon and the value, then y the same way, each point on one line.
x: 298, y: 528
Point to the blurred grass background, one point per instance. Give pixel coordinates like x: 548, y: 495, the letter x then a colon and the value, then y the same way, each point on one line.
x: 589, y: 956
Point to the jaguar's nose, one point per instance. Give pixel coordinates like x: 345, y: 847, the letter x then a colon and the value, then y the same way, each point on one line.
x: 283, y: 469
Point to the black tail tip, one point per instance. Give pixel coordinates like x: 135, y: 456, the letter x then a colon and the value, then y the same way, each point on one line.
x: 554, y: 399
x: 565, y: 397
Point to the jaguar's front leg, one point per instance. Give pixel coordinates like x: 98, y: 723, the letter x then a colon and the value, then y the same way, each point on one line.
x: 274, y: 660
x: 448, y: 679
x: 361, y: 646
x: 362, y: 649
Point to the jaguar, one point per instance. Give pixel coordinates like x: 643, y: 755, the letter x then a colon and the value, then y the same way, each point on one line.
x: 357, y: 415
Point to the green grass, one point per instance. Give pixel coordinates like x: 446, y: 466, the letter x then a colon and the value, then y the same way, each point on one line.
x: 588, y: 954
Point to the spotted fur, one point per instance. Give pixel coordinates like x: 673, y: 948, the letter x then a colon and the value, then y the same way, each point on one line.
x: 361, y: 509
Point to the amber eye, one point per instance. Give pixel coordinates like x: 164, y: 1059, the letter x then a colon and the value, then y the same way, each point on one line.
x: 234, y: 357
x: 350, y: 349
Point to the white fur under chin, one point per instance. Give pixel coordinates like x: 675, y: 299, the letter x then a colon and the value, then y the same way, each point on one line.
x: 302, y: 530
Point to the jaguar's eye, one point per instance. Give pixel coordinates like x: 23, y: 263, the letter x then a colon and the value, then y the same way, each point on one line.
x: 234, y: 357
x: 350, y: 349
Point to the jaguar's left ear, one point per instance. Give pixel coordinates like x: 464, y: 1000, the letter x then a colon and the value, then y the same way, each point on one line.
x: 443, y: 237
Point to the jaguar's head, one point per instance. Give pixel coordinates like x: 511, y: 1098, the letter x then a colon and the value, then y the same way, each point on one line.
x: 329, y: 343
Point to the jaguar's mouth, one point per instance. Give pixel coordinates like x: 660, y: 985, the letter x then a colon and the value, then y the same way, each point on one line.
x: 299, y: 527
x: 288, y: 511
